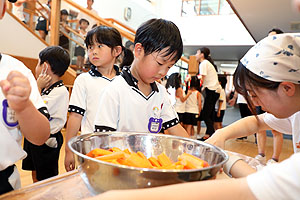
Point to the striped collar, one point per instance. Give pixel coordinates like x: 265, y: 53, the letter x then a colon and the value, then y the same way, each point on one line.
x: 132, y: 81
x: 54, y: 85
x: 95, y: 73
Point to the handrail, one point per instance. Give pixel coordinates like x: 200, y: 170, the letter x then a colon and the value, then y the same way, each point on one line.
x: 121, y: 24
x: 100, y: 19
x: 69, y: 37
x: 24, y: 25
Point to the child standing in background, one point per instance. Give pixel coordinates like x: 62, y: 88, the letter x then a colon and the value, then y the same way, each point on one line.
x: 80, y: 51
x: 192, y: 106
x: 220, y: 105
x: 174, y: 81
x: 104, y: 45
x: 43, y: 160
x: 134, y: 101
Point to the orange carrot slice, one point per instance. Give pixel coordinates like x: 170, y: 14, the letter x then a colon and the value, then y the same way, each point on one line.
x: 164, y: 160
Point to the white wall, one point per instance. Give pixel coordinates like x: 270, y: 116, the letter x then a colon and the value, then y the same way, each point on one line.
x: 17, y: 40
x: 142, y: 10
x: 199, y: 30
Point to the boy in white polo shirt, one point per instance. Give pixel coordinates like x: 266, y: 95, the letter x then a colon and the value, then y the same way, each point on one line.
x: 43, y: 160
x: 134, y: 101
x: 19, y: 101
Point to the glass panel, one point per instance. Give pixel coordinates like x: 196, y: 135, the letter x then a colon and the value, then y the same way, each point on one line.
x: 225, y: 8
x: 190, y: 8
x: 209, y: 7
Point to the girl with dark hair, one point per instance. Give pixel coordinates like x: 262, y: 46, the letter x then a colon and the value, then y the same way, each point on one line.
x: 175, y: 81
x: 104, y: 45
x: 192, y: 106
x: 212, y: 88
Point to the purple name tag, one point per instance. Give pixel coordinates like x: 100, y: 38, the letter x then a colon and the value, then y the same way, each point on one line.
x: 154, y: 125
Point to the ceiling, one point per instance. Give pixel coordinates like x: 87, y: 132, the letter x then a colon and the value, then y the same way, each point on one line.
x: 221, y: 53
x: 259, y: 17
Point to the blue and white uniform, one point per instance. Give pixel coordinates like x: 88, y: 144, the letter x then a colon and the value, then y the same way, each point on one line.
x: 85, y: 96
x: 123, y: 107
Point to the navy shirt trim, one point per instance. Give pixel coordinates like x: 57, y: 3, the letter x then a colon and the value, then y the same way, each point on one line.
x: 76, y: 109
x: 132, y: 81
x: 103, y: 129
x: 95, y: 73
x: 170, y: 124
x: 54, y: 85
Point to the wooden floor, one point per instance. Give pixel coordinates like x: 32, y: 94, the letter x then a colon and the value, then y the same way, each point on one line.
x: 248, y: 148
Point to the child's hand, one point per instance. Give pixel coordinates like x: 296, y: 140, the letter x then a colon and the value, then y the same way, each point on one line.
x: 43, y: 81
x: 16, y: 89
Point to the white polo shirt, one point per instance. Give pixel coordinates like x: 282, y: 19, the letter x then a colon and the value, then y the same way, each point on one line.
x: 123, y: 107
x: 211, y: 77
x: 10, y: 135
x: 56, y: 98
x: 290, y: 126
x: 85, y: 97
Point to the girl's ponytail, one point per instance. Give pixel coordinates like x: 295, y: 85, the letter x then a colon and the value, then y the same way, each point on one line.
x: 127, y: 57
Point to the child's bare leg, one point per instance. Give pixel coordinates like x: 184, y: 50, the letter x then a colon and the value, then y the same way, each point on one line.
x: 277, y: 144
x: 189, y: 129
x: 261, y: 142
x: 33, y: 174
x: 42, y: 34
x: 198, y: 127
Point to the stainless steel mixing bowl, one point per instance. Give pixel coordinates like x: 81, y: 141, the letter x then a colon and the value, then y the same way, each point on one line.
x: 101, y: 176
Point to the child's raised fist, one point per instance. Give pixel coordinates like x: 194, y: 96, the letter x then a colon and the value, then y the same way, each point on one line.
x: 16, y: 89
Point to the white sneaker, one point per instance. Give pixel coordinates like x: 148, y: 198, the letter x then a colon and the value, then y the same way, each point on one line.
x: 261, y: 159
x: 271, y: 161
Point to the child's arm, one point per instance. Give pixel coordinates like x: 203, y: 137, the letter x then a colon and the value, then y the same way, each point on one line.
x: 219, y: 107
x: 179, y: 94
x: 178, y: 130
x: 243, y: 127
x: 73, y: 127
x: 226, y: 189
x: 33, y: 125
x: 199, y: 102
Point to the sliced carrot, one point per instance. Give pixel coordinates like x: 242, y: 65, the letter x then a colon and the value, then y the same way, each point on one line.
x: 144, y: 158
x: 98, y: 152
x: 112, y: 156
x: 199, y: 163
x: 164, y: 160
x: 127, y: 151
x: 115, y: 149
x: 136, y: 161
x: 154, y: 162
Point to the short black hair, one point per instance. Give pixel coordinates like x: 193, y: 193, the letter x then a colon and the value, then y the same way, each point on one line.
x: 84, y: 20
x: 157, y: 34
x: 64, y: 12
x: 57, y: 57
x: 276, y: 30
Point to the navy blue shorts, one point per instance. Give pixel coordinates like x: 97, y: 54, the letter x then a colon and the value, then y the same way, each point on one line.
x: 219, y: 119
x: 42, y: 159
x: 4, y: 175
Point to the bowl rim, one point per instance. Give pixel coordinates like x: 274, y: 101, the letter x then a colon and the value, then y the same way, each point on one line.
x: 84, y: 136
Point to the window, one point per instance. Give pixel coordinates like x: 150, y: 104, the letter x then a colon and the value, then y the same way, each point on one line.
x: 205, y: 7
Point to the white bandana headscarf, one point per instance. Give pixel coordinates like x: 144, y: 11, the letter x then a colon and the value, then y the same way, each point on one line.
x: 275, y: 58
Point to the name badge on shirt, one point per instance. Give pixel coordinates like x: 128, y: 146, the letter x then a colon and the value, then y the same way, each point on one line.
x: 9, y: 115
x: 155, y: 123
